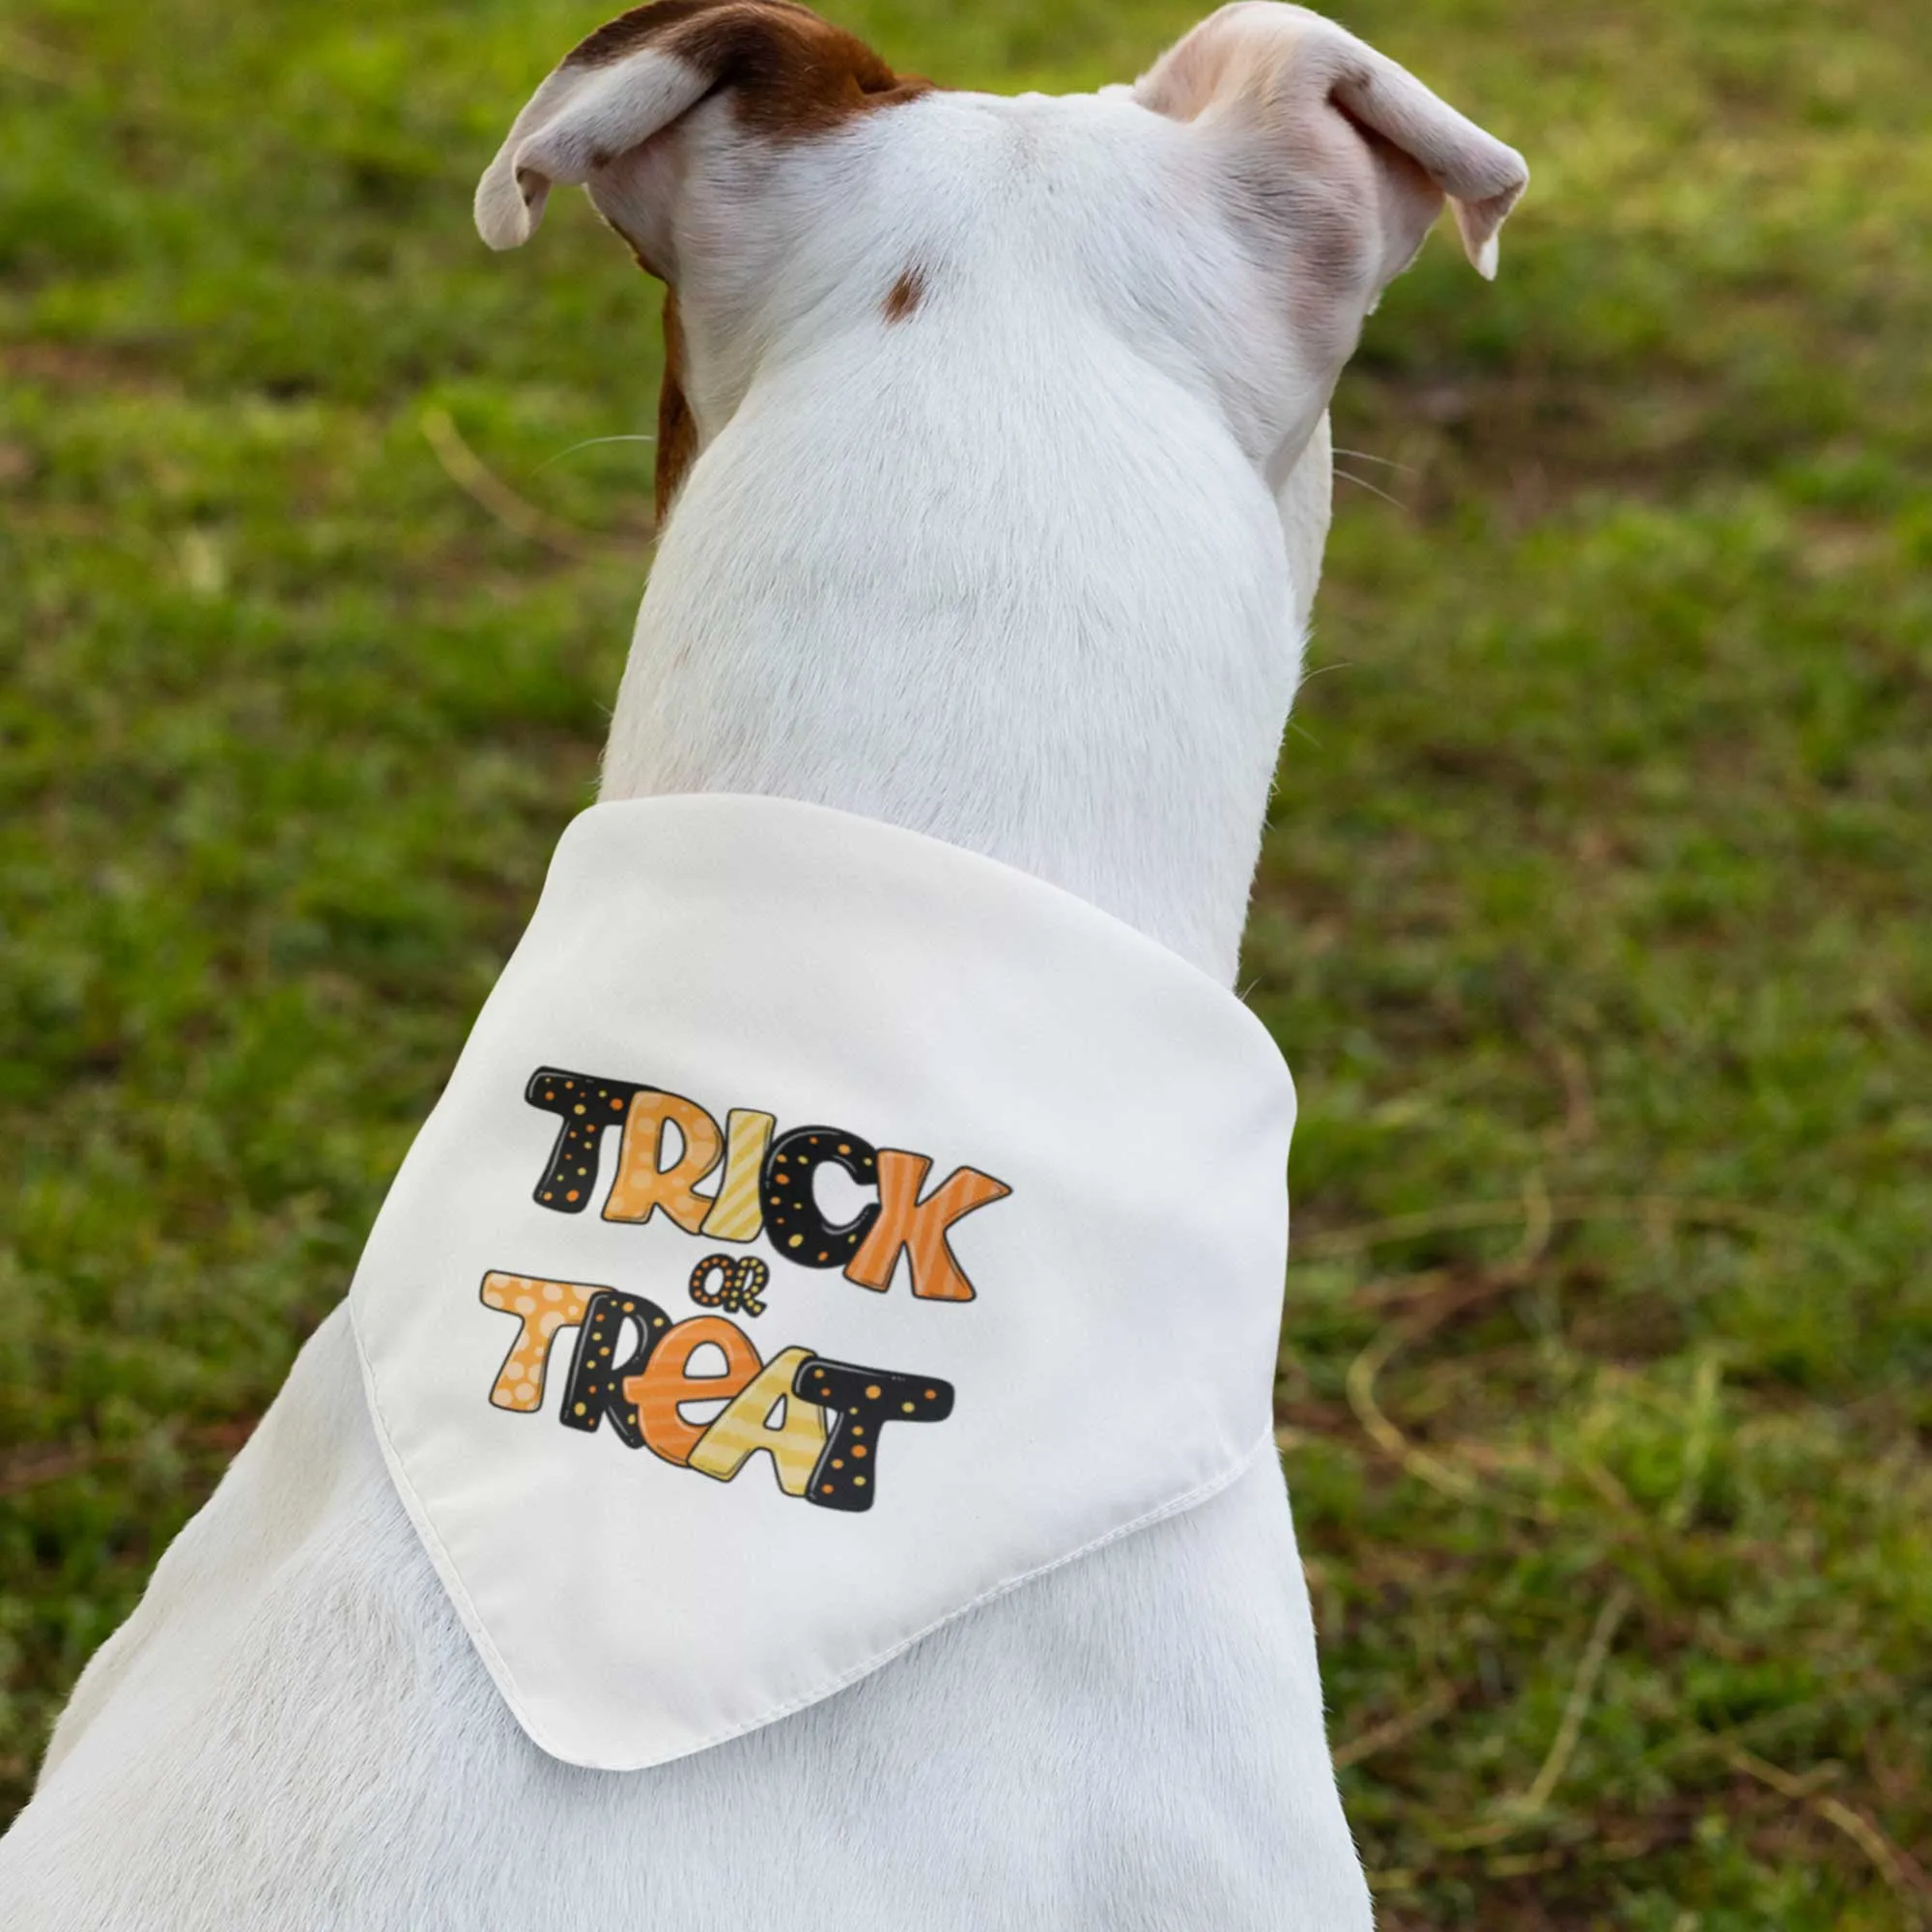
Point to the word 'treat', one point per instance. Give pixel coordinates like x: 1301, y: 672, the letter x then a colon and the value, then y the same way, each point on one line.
x: 633, y: 1367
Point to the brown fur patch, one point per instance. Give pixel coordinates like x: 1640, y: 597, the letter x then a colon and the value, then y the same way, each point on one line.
x: 677, y: 428
x: 790, y: 76
x: 789, y: 73
x: 905, y: 294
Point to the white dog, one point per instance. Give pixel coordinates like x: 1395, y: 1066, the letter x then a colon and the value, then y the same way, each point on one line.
x: 995, y: 436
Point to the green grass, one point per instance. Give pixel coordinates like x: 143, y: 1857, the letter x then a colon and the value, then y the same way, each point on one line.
x: 1593, y: 914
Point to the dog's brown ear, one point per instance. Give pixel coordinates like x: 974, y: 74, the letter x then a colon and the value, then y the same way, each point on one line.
x: 611, y: 119
x: 787, y: 74
x: 1322, y: 131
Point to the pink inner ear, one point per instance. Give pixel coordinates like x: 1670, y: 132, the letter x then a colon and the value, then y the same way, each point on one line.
x: 1482, y: 177
x: 574, y: 123
x: 1277, y: 68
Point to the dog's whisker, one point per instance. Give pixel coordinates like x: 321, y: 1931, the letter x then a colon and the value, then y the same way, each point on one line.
x: 588, y: 442
x: 1363, y: 483
x: 479, y: 482
x: 1308, y: 677
x: 1387, y: 463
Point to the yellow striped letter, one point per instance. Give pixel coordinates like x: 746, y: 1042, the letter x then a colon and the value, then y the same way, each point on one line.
x: 795, y: 1445
x: 736, y: 1214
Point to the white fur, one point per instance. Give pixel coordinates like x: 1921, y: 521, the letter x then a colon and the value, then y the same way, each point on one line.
x: 1008, y: 571
x: 291, y: 1732
x: 1028, y: 570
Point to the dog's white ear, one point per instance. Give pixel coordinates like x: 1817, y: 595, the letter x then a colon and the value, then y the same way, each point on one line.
x: 787, y: 74
x: 580, y: 120
x: 1320, y: 128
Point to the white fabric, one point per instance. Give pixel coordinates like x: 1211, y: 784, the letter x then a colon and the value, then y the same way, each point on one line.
x: 1113, y: 1362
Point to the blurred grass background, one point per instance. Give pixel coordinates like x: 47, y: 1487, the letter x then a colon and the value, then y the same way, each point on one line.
x: 1593, y: 916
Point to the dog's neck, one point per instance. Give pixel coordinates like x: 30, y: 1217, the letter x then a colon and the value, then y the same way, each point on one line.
x: 1064, y: 631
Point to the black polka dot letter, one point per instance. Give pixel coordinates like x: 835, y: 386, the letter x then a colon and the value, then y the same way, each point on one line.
x: 585, y: 1106
x: 793, y: 1224
x: 596, y: 1386
x: 848, y: 1475
x: 739, y: 1282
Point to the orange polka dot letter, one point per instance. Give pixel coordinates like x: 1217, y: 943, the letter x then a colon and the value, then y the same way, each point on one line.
x: 645, y: 1180
x: 544, y: 1307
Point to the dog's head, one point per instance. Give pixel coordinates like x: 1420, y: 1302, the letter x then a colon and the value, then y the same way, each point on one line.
x: 1233, y: 214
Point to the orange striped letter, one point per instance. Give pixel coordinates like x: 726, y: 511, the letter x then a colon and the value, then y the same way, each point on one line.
x: 917, y: 1228
x: 665, y: 1382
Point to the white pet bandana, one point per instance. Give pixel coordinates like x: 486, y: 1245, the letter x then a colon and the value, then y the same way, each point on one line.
x: 824, y: 1229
